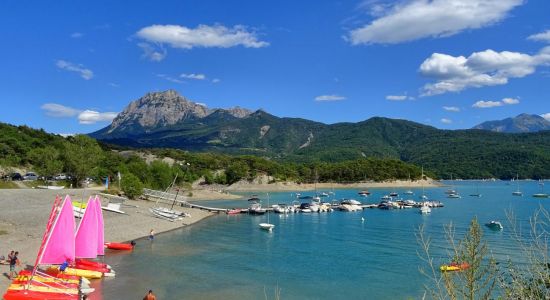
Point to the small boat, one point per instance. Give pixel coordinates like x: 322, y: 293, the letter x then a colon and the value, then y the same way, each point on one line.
x: 234, y: 211
x: 425, y: 209
x: 408, y: 192
x: 119, y: 246
x: 454, y: 195
x: 541, y: 195
x: 323, y: 194
x: 82, y: 261
x: 81, y: 272
x: 267, y: 226
x: 454, y: 267
x: 364, y: 193
x: 113, y: 207
x: 385, y: 197
x: 50, y: 187
x: 494, y: 225
x: 394, y: 194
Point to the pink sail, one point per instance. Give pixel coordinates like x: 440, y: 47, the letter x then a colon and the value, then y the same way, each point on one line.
x: 86, y: 234
x: 100, y: 228
x: 60, y: 244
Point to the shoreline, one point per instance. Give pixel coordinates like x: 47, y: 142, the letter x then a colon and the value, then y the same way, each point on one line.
x: 24, y: 213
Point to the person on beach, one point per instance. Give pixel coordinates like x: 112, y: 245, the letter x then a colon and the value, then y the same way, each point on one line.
x: 150, y: 296
x: 13, y: 262
x: 151, y: 235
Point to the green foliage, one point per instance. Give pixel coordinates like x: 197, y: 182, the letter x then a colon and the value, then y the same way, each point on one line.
x: 131, y: 185
x: 46, y: 161
x: 82, y: 155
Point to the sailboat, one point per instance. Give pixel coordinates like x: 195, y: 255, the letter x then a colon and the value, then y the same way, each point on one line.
x: 267, y: 226
x: 476, y: 194
x: 542, y: 194
x: 423, y: 196
x: 409, y: 191
x: 452, y: 193
x: 517, y: 192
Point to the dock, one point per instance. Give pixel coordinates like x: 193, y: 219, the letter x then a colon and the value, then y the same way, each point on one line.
x: 169, y: 198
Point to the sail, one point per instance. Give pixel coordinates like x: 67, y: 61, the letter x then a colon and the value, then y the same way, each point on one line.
x: 60, y: 244
x: 86, y: 234
x: 100, y: 228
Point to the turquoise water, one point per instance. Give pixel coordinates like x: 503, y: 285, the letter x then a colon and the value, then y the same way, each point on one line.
x: 312, y: 256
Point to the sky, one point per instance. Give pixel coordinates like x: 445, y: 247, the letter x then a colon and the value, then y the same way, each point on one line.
x: 71, y: 66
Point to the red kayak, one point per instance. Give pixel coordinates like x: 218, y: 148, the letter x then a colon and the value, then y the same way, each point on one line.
x: 91, y: 268
x: 32, y: 295
x: 119, y: 246
x: 81, y: 262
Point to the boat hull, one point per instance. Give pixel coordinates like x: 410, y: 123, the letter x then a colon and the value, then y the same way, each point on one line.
x: 119, y: 246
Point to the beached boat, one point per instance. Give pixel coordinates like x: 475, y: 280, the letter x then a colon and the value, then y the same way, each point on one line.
x: 494, y: 225
x: 119, y: 246
x: 113, y: 207
x: 50, y: 187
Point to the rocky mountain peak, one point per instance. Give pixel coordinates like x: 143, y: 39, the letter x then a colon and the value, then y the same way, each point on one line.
x: 521, y: 123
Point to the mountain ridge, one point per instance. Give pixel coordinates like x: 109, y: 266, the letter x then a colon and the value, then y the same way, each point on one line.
x: 520, y: 123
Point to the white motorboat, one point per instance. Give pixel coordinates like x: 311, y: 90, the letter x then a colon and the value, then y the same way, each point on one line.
x: 267, y: 226
x: 425, y: 209
x: 408, y: 192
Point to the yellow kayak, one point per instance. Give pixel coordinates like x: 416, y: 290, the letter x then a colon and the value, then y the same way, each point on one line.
x: 82, y: 273
x: 46, y: 279
x: 454, y: 267
x: 42, y: 289
x: 79, y: 204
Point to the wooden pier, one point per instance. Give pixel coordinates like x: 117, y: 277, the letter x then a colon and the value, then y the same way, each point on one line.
x: 169, y: 198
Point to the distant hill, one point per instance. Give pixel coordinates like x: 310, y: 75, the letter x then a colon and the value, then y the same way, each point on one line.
x: 464, y: 153
x: 520, y: 123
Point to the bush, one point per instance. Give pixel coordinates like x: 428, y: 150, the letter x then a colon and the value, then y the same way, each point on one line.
x: 131, y: 185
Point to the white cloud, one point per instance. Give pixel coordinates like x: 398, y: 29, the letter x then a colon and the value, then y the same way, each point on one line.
x: 396, y: 97
x: 87, y: 74
x: 451, y: 108
x: 203, y: 36
x: 415, y: 19
x: 540, y: 37
x: 490, y: 104
x: 76, y: 35
x: 546, y: 116
x: 215, y: 80
x: 92, y: 117
x: 510, y: 101
x: 486, y: 68
x: 193, y: 76
x: 446, y: 121
x: 152, y: 53
x: 330, y: 98
x: 169, y: 78
x: 59, y: 111
x: 486, y: 104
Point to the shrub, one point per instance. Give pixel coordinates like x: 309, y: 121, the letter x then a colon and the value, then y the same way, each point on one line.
x: 131, y: 185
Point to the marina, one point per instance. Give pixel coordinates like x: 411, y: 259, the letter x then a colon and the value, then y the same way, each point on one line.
x: 302, y: 256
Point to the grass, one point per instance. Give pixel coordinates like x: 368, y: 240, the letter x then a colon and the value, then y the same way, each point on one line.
x: 8, y: 185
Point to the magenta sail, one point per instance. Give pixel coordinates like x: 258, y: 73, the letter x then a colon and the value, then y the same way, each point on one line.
x: 60, y: 244
x: 100, y: 228
x: 86, y: 235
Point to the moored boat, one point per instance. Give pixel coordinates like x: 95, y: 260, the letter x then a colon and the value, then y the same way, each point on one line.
x: 495, y: 225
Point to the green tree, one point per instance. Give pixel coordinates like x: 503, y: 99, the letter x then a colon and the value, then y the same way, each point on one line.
x: 46, y: 161
x: 82, y: 155
x: 131, y: 185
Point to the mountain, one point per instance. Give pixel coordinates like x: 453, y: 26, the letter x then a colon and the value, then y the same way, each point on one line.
x: 469, y: 153
x: 521, y: 123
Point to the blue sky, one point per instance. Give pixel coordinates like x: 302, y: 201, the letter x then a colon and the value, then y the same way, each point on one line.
x: 70, y: 66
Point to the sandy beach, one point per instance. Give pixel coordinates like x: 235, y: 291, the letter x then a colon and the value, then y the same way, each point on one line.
x: 24, y: 213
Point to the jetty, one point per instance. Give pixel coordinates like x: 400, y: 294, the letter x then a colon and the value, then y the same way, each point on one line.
x: 169, y: 198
